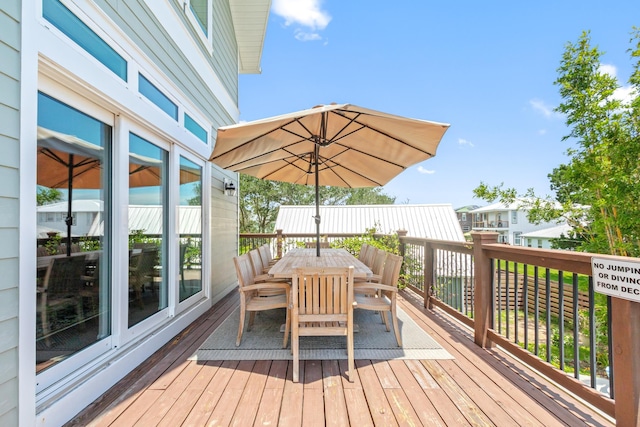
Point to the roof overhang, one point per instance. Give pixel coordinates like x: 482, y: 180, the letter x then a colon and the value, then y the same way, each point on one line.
x: 250, y: 24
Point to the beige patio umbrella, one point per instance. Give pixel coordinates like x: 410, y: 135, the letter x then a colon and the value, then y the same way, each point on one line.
x: 330, y: 145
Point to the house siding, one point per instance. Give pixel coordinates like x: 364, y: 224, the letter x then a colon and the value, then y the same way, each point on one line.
x: 9, y: 208
x: 139, y: 23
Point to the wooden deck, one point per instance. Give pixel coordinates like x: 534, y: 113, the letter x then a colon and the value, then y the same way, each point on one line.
x: 478, y: 387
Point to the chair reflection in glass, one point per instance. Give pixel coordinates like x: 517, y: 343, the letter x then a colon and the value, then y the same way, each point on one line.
x: 60, y: 291
x: 141, y: 266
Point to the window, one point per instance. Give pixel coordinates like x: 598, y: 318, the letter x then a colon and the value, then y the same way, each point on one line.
x: 153, y: 94
x: 463, y: 216
x: 514, y: 217
x: 540, y: 243
x: 200, y: 9
x: 193, y: 127
x: 190, y: 229
x: 73, y: 296
x: 56, y: 13
x: 148, y: 219
x: 516, y: 238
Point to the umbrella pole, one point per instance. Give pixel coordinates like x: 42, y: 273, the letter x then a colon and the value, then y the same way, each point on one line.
x: 69, y: 219
x: 317, y: 148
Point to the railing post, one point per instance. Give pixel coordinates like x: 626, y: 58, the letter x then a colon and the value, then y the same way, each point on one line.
x: 625, y: 331
x: 279, y: 240
x: 428, y: 274
x: 401, y: 234
x: 482, y: 293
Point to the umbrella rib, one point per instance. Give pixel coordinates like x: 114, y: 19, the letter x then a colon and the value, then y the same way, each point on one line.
x: 325, y: 162
x: 393, y: 137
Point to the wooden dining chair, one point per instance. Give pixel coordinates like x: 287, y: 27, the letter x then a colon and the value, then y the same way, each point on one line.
x: 256, y: 297
x: 322, y: 305
x: 382, y: 296
x: 61, y: 291
x: 265, y: 254
x: 313, y: 244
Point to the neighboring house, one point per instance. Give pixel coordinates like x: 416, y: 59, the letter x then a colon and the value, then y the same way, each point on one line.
x: 85, y: 213
x: 542, y: 238
x: 124, y: 97
x: 427, y: 221
x: 465, y: 218
x: 509, y: 221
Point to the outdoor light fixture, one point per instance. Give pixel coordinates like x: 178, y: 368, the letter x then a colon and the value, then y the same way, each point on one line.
x: 228, y: 187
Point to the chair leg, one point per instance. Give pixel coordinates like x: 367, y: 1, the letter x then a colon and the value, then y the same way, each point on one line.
x: 240, y: 326
x: 394, y: 317
x: 287, y: 326
x: 252, y: 318
x: 350, y: 357
x: 295, y: 350
x: 383, y: 314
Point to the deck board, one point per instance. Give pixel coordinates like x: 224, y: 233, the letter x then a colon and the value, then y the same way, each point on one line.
x: 472, y: 388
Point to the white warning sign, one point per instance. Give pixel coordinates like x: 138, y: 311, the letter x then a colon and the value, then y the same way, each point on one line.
x: 616, y: 278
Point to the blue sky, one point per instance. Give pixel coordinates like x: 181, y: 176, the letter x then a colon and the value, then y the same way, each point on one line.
x: 487, y: 68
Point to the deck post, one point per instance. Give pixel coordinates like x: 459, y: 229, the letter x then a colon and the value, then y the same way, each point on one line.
x: 279, y: 240
x: 625, y: 330
x: 428, y: 274
x: 483, y: 287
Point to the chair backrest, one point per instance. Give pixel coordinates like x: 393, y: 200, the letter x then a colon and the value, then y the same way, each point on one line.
x: 370, y: 255
x: 323, y: 294
x: 265, y: 254
x: 363, y: 252
x: 378, y: 262
x: 64, y: 276
x: 244, y: 270
x: 391, y: 271
x: 256, y: 262
x: 313, y: 244
x: 144, y: 261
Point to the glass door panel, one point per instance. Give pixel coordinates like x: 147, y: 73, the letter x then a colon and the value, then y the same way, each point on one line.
x: 190, y: 229
x: 148, y: 219
x: 73, y: 307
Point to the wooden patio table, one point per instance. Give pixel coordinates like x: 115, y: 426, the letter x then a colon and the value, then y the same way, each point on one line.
x: 297, y: 258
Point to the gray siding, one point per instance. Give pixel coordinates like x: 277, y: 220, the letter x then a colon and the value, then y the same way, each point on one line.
x: 9, y: 207
x: 139, y: 23
x: 224, y: 237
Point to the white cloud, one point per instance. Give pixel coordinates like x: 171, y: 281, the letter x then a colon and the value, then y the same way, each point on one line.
x: 542, y: 132
x: 624, y: 94
x: 462, y: 141
x: 541, y: 107
x: 307, y: 15
x: 305, y: 37
x: 425, y: 171
x: 609, y: 69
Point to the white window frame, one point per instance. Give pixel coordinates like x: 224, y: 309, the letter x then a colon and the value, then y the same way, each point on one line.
x: 174, y: 199
x: 517, y: 238
x: 195, y: 23
x: 514, y: 217
x: 128, y: 334
x: 76, y: 364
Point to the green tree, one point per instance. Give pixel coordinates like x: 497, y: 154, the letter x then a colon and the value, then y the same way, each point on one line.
x: 260, y: 200
x: 598, y: 188
x: 47, y: 195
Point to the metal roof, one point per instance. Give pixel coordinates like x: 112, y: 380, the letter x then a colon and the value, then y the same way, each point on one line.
x: 428, y: 221
x: 550, y: 233
x: 250, y: 24
x: 149, y: 219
